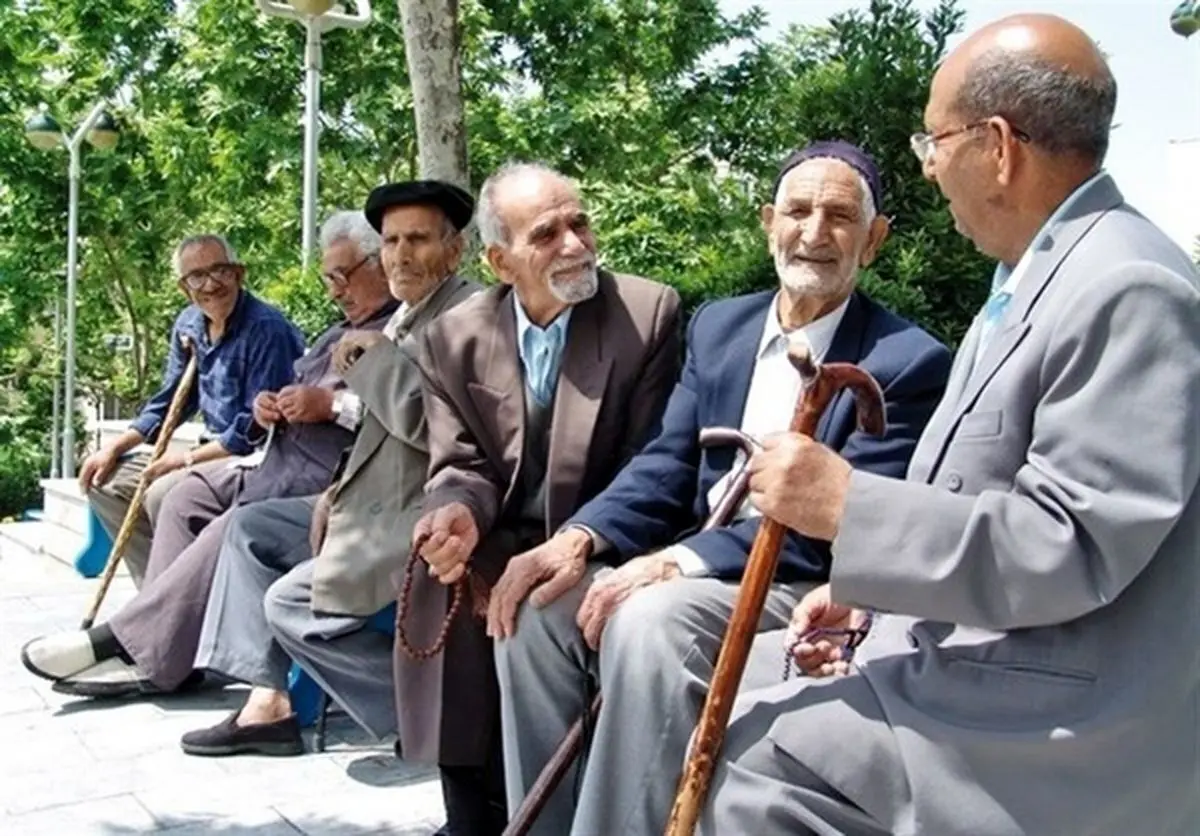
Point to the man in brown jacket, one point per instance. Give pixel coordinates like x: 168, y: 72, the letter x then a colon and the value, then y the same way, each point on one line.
x: 300, y: 579
x: 536, y: 392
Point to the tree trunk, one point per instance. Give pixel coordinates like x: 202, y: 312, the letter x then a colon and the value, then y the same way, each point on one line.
x: 431, y: 47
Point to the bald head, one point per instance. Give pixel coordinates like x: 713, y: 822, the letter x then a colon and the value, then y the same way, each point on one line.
x: 1044, y: 75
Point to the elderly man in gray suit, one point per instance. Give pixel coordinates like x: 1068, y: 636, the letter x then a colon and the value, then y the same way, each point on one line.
x: 1033, y: 666
x: 316, y: 611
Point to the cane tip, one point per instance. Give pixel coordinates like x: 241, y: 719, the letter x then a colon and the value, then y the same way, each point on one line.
x: 800, y: 354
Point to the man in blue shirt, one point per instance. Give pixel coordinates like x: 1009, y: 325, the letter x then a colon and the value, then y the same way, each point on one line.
x: 244, y: 345
x: 150, y: 644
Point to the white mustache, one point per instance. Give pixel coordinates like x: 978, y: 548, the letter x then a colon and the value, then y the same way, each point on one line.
x: 572, y: 266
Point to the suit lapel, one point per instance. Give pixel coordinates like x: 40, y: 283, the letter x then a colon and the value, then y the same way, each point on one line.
x: 582, y: 380
x: 503, y: 382
x: 738, y: 370
x: 845, y: 348
x: 1053, y: 247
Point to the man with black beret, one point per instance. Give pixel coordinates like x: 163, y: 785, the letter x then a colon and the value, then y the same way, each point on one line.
x: 271, y: 601
x: 630, y: 592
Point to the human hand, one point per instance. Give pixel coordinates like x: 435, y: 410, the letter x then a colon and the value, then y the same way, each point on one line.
x: 167, y: 463
x: 609, y: 592
x: 98, y: 468
x: 305, y: 404
x: 800, y: 483
x: 822, y: 634
x: 266, y: 409
x: 450, y: 536
x: 353, y: 345
x: 553, y: 567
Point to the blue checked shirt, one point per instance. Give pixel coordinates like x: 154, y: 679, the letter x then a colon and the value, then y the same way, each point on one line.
x: 256, y: 352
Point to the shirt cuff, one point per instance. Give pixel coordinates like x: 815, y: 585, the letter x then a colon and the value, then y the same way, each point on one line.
x: 599, y: 544
x: 349, y: 409
x: 691, y: 565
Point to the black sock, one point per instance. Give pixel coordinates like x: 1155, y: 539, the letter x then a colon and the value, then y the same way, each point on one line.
x: 106, y: 646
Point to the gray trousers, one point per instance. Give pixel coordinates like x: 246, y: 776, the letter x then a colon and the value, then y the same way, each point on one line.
x: 655, y: 662
x: 160, y: 627
x: 111, y: 501
x: 260, y: 618
x: 758, y: 788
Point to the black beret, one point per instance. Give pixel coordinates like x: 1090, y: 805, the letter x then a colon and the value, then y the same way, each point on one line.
x: 456, y: 203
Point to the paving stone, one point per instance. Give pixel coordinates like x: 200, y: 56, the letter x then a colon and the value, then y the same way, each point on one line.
x: 77, y: 767
x: 103, y: 817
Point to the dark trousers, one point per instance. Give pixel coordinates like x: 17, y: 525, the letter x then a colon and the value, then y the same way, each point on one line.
x: 474, y: 797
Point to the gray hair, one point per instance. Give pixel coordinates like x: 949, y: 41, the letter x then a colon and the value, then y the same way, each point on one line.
x: 868, y: 199
x: 353, y: 226
x: 492, y: 229
x: 204, y: 239
x: 1062, y: 112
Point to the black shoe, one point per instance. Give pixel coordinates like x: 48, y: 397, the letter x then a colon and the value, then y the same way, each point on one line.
x: 281, y: 738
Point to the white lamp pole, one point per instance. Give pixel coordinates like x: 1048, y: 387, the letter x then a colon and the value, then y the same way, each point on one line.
x: 44, y: 133
x: 317, y: 17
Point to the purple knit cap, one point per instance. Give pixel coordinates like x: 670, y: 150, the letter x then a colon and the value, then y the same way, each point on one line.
x: 851, y: 155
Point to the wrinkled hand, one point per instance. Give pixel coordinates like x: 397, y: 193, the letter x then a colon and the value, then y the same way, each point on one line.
x: 266, y: 409
x: 305, y: 404
x: 553, y: 567
x: 453, y: 537
x: 821, y: 656
x: 97, y: 469
x: 800, y: 483
x: 167, y: 463
x: 353, y: 345
x: 607, y: 593
x: 320, y: 521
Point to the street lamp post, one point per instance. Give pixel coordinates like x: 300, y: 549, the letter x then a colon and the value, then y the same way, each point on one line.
x: 317, y: 17
x: 44, y: 133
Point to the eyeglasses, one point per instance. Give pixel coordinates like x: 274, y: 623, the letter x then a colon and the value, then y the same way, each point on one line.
x: 341, y: 278
x: 923, y: 144
x: 217, y: 272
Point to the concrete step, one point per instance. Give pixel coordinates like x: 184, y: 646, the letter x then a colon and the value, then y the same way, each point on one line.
x: 64, y: 505
x: 42, y: 538
x: 185, y: 437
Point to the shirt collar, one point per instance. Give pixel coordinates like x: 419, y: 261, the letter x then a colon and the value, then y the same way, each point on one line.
x: 404, y: 310
x: 1007, y: 278
x: 557, y: 328
x: 819, y: 332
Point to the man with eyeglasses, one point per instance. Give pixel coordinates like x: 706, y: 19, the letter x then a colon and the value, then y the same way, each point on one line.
x: 150, y: 645
x: 244, y: 346
x: 1032, y: 666
x: 271, y: 602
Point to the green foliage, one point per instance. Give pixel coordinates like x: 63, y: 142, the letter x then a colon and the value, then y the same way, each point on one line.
x: 671, y: 116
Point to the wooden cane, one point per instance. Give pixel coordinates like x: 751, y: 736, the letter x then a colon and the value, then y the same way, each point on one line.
x: 820, y: 385
x: 174, y: 412
x: 552, y: 774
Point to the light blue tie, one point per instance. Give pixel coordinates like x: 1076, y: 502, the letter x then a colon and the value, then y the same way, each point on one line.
x: 542, y: 350
x: 994, y: 308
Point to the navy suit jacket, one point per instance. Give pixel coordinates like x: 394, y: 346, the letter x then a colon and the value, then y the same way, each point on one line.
x: 661, y: 494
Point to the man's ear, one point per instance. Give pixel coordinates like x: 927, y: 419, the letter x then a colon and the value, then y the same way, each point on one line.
x: 876, y: 235
x: 498, y: 260
x: 767, y: 217
x: 455, y: 252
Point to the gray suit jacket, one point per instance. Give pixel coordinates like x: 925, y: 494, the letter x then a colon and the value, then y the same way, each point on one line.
x: 377, y: 498
x: 1045, y: 553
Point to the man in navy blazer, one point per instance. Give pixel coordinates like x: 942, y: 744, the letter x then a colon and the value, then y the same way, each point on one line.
x: 631, y: 566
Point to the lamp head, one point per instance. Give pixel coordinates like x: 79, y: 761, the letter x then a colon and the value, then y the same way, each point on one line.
x: 311, y: 8
x: 104, y: 134
x: 43, y: 132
